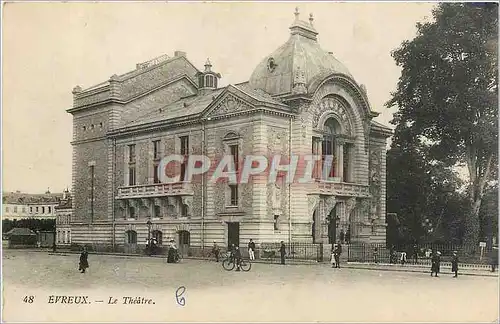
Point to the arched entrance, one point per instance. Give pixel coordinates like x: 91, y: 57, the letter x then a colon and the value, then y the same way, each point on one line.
x: 332, y: 221
x: 184, y: 242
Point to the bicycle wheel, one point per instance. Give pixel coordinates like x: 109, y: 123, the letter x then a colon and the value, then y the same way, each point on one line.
x: 245, y: 265
x: 228, y: 264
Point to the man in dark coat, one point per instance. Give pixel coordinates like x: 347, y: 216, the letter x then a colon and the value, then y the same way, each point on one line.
x: 337, y: 253
x: 282, y: 252
x: 216, y: 251
x: 251, y: 249
x: 454, y: 264
x: 237, y: 258
x: 435, y: 263
x: 342, y: 236
x: 84, y: 262
x: 494, y: 258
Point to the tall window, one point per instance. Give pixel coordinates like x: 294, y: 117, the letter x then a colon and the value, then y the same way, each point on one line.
x: 15, y: 209
x: 50, y: 209
x: 234, y: 195
x: 156, y: 179
x: 328, y: 146
x: 156, y: 150
x: 131, y: 176
x: 43, y: 209
x: 131, y: 212
x: 184, y: 210
x: 184, y: 152
x: 276, y: 222
x: 158, y: 236
x: 235, y: 154
x: 131, y: 153
x: 209, y: 81
x: 157, y: 211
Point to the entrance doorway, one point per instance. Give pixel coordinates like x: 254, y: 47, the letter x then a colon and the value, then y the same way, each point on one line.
x: 184, y: 241
x: 332, y: 225
x: 233, y: 234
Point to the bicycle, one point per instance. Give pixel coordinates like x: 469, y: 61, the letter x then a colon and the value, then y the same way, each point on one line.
x: 229, y: 264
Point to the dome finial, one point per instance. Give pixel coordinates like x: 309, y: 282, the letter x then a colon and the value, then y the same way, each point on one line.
x: 311, y: 18
x: 297, y: 13
x: 208, y: 65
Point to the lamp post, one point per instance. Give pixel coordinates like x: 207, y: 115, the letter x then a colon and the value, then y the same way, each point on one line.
x: 149, y: 236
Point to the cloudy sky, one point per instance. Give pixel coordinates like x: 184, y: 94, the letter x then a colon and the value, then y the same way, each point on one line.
x: 48, y: 48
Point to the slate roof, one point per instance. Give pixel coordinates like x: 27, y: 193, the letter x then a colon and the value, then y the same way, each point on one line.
x: 20, y: 231
x: 21, y: 198
x: 196, y: 104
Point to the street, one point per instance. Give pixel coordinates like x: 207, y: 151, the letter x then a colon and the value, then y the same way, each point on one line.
x: 209, y: 293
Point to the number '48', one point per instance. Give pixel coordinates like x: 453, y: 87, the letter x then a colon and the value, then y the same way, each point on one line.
x: 29, y: 299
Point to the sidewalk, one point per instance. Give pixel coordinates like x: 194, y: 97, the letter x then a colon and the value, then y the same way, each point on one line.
x: 463, y: 269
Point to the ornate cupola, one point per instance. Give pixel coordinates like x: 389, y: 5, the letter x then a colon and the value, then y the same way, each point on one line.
x: 208, y: 79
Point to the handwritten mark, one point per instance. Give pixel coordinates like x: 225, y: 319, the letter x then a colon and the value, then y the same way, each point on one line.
x: 178, y: 295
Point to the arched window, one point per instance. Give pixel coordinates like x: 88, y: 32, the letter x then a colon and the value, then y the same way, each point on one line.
x: 201, y: 81
x: 330, y: 129
x: 131, y: 237
x: 158, y: 236
x: 209, y: 81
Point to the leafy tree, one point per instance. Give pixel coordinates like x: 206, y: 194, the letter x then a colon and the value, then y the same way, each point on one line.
x: 447, y: 95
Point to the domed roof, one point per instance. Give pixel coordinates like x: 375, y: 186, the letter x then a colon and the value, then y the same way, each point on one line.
x: 300, y: 59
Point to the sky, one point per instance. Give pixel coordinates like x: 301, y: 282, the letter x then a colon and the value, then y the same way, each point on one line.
x: 48, y: 48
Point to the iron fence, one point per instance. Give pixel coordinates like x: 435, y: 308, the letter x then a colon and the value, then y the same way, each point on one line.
x: 418, y: 254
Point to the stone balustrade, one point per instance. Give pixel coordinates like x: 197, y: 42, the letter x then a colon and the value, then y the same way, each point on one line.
x: 155, y: 190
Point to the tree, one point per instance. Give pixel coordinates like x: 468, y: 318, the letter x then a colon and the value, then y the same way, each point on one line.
x: 447, y: 94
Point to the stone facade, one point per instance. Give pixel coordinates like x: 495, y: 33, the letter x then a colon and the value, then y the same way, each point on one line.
x: 123, y: 127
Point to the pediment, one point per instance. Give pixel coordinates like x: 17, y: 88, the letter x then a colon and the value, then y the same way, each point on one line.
x: 228, y: 104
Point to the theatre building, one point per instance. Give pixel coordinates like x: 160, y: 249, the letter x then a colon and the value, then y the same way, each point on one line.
x: 298, y: 101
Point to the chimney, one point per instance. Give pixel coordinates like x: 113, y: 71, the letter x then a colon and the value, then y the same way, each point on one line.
x: 179, y: 53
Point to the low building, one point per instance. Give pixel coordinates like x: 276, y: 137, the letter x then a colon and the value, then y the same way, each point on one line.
x: 63, y: 218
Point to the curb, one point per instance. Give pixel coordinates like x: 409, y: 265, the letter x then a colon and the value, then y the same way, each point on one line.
x: 419, y: 271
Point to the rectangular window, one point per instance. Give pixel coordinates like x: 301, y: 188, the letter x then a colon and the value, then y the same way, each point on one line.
x: 156, y: 179
x: 276, y: 222
x: 131, y: 212
x: 31, y: 210
x: 234, y: 195
x: 36, y: 209
x: 43, y: 209
x: 131, y: 153
x: 50, y: 209
x: 183, y: 171
x: 184, y: 211
x: 156, y: 150
x: 15, y: 209
x: 131, y: 176
x: 235, y: 154
x: 184, y: 145
x: 157, y: 211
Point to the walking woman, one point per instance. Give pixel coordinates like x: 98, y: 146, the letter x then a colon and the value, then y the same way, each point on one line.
x: 84, y: 262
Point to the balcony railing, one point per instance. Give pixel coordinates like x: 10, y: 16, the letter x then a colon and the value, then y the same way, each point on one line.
x: 155, y: 190
x: 343, y: 189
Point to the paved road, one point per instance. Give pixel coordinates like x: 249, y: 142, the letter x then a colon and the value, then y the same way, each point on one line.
x: 267, y: 293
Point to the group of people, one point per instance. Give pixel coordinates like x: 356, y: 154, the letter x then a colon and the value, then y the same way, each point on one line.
x: 235, y: 252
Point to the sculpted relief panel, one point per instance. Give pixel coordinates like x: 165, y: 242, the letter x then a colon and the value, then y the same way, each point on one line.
x: 229, y: 104
x: 329, y: 104
x: 375, y: 166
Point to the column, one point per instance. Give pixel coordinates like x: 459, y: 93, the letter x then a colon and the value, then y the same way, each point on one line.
x: 339, y: 165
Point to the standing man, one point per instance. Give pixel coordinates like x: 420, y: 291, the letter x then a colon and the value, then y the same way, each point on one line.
x: 342, y: 235
x: 282, y: 252
x: 251, y: 249
x: 84, y: 262
x: 237, y: 258
x: 494, y: 258
x: 454, y: 264
x: 415, y: 253
x: 338, y: 252
x: 436, y: 263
